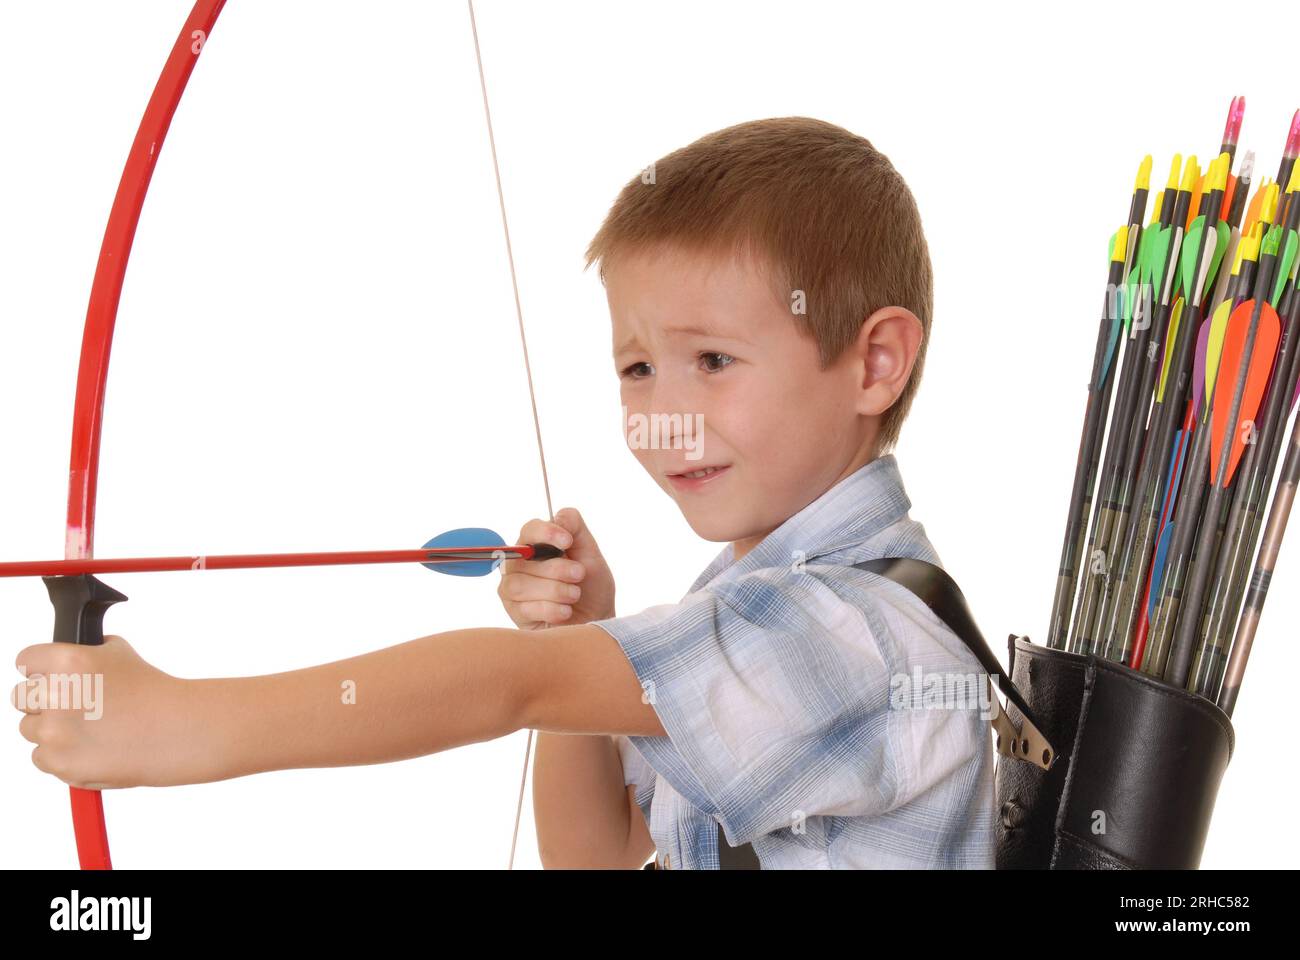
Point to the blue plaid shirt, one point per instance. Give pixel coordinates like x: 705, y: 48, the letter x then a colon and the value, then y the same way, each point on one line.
x: 779, y: 682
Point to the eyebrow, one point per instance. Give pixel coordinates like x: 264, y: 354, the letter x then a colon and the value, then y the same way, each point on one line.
x: 688, y: 330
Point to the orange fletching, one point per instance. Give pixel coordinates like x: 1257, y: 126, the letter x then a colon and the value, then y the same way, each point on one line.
x: 1267, y: 334
x: 1252, y: 209
x: 1195, y: 205
x: 1227, y: 194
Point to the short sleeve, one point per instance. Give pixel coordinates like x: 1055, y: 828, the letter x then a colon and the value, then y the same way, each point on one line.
x: 774, y: 692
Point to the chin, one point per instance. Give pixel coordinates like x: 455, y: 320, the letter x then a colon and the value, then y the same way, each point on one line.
x: 716, y: 529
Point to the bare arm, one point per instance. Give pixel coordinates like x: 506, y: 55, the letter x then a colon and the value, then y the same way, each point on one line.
x: 443, y: 691
x: 428, y: 695
x: 586, y: 818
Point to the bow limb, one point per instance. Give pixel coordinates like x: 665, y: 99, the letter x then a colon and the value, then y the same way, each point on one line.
x: 92, y: 374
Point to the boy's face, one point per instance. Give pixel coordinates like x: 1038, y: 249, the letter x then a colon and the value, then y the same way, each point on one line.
x: 716, y: 376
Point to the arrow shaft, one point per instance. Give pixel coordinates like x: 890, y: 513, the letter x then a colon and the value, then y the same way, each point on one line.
x: 1191, y: 499
x: 245, y: 561
x: 1265, y: 562
x: 1132, y: 493
x: 1106, y: 517
x: 1085, y: 476
x: 1258, y: 467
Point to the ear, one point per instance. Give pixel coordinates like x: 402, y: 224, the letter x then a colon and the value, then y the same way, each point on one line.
x: 886, y: 348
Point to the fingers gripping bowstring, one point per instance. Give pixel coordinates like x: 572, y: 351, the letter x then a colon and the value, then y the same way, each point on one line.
x: 532, y: 395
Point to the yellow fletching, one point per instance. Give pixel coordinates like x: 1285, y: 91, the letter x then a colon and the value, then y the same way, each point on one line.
x: 1214, y: 347
x: 1191, y: 173
x: 1144, y: 174
x: 1119, y: 253
x: 1174, y: 169
x: 1252, y: 211
x: 1175, y: 316
x: 1220, y: 181
x: 1252, y: 241
x: 1269, y: 214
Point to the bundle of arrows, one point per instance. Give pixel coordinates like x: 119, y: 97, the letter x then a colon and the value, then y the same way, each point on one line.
x: 1168, y: 550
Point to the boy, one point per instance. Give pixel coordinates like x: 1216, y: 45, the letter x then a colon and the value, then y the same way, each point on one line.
x: 770, y: 282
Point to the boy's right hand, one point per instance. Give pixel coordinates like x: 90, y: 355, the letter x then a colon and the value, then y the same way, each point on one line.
x: 575, y: 588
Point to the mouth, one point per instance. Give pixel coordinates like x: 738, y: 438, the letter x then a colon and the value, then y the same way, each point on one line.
x: 694, y: 479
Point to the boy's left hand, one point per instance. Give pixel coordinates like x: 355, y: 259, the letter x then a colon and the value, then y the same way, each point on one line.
x: 101, y: 717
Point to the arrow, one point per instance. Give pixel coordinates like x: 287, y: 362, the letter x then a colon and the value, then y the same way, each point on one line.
x: 1136, y: 308
x: 1191, y: 497
x: 1123, y: 249
x: 1158, y: 251
x: 443, y: 554
x: 1193, y: 440
x: 1262, y: 576
x: 1228, y: 583
x: 1250, y: 355
x: 1126, y: 626
x: 1198, y: 254
x: 1280, y: 510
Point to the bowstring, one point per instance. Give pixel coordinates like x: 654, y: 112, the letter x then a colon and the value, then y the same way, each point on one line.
x: 532, y: 395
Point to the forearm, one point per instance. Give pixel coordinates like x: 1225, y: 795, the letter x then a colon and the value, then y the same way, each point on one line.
x: 580, y: 802
x: 416, y: 698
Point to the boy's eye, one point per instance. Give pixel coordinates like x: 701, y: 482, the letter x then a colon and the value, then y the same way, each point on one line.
x: 714, y: 361
x: 634, y: 371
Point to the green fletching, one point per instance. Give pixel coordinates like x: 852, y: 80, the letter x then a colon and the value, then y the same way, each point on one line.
x: 1188, y: 259
x: 1157, y: 254
x: 1285, y: 263
x: 1140, y: 278
x: 1272, y: 241
x: 1222, y: 237
x: 1144, y: 243
x: 1135, y: 276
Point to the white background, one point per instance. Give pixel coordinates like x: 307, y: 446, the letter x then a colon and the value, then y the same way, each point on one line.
x: 316, y: 347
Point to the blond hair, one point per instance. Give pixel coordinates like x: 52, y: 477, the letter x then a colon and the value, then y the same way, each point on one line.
x: 824, y: 210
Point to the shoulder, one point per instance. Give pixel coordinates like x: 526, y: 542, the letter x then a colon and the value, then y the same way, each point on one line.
x: 838, y: 599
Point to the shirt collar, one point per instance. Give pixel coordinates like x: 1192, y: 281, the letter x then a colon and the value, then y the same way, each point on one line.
x: 849, y: 513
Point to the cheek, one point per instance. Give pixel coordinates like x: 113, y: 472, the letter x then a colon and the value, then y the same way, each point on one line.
x: 792, y: 428
x: 748, y: 422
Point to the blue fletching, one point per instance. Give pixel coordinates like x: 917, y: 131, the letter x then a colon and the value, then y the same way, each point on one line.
x: 1158, y: 568
x: 1175, y: 471
x: 1162, y: 545
x: 465, y: 537
x: 1115, y: 326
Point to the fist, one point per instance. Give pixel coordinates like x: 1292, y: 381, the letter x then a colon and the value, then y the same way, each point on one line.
x: 101, y: 717
x: 575, y: 588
